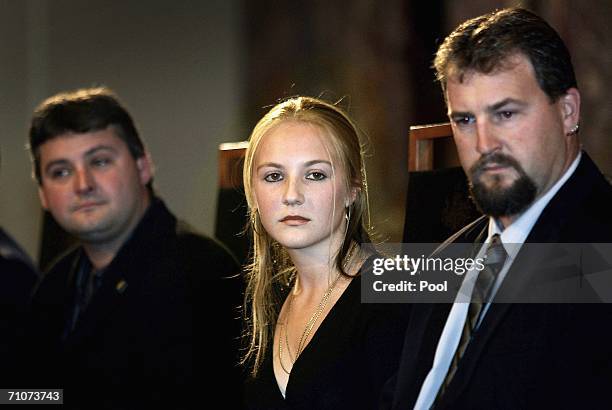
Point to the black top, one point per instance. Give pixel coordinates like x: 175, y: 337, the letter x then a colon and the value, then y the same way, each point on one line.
x: 351, y: 355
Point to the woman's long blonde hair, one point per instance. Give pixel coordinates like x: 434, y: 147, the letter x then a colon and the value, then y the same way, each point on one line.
x: 271, y: 268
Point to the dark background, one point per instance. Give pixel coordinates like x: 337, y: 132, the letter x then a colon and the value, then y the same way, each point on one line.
x: 198, y: 73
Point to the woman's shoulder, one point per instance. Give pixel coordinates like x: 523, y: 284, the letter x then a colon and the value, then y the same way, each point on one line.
x: 395, y: 313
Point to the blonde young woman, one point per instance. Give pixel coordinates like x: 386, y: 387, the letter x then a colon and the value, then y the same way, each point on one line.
x: 312, y: 344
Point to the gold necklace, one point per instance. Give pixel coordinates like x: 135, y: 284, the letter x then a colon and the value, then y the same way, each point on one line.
x: 307, y: 330
x: 309, y: 325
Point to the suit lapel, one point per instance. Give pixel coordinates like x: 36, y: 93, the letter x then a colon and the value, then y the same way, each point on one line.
x: 424, y: 330
x: 132, y: 267
x: 546, y: 230
x: 105, y: 302
x: 427, y: 322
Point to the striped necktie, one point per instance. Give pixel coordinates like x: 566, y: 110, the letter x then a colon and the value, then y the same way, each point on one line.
x: 495, y: 257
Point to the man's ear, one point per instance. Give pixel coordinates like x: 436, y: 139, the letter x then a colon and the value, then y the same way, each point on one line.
x: 145, y: 168
x: 43, y: 198
x: 569, y: 103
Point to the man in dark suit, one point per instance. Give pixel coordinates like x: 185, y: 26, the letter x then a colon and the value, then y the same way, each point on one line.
x: 143, y: 309
x: 514, y: 106
x: 17, y: 278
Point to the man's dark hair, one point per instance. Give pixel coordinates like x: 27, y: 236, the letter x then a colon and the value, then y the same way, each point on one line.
x: 483, y: 44
x: 81, y: 111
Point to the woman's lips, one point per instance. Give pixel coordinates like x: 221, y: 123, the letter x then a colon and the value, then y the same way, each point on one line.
x: 294, y: 220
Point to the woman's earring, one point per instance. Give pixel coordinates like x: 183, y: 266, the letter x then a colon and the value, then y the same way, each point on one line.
x: 347, y: 217
x: 254, y: 221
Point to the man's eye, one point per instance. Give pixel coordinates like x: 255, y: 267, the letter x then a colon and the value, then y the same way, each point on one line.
x: 505, y: 115
x: 316, y: 176
x: 100, y: 162
x: 273, y: 177
x: 464, y: 120
x: 59, y: 173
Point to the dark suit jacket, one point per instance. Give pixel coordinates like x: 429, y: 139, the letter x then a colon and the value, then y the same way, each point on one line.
x: 163, y: 318
x: 525, y: 355
x: 17, y: 273
x: 17, y: 278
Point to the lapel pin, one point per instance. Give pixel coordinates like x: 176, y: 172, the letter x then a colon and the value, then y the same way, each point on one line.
x: 121, y: 286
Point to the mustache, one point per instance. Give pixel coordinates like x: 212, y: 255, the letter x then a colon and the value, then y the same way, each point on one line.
x: 496, y: 158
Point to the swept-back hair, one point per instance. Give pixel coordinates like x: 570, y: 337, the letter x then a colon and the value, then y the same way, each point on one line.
x: 483, y: 44
x: 271, y: 268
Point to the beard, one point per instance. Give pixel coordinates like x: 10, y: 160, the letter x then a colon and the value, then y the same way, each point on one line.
x: 492, y: 198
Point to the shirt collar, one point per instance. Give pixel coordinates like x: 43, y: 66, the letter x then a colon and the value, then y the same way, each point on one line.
x: 517, y: 232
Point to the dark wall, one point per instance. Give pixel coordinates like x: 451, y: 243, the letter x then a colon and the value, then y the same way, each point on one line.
x: 378, y: 55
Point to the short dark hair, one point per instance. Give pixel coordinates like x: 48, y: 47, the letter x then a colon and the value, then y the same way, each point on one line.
x: 483, y: 44
x: 81, y: 111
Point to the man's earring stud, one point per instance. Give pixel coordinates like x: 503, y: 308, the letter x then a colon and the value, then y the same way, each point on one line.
x: 574, y: 130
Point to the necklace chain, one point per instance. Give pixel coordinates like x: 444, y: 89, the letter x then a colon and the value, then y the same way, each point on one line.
x: 307, y: 330
x: 309, y: 325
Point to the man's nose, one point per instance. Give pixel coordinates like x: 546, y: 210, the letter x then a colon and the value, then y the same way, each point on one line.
x: 486, y: 140
x: 84, y: 181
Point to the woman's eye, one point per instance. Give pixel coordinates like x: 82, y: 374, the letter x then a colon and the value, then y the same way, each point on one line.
x: 316, y: 176
x: 273, y: 177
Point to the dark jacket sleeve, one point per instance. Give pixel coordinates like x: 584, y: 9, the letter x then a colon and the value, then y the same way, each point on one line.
x: 216, y: 289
